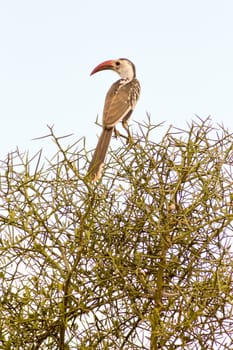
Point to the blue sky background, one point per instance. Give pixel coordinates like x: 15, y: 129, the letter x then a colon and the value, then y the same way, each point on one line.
x: 182, y: 49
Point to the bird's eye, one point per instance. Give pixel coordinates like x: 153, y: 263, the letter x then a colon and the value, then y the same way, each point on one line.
x: 118, y: 63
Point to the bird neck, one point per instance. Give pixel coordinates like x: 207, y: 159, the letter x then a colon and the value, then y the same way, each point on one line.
x: 124, y: 81
x: 127, y: 72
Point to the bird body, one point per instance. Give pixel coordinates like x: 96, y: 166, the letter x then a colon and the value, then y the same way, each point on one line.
x: 119, y: 104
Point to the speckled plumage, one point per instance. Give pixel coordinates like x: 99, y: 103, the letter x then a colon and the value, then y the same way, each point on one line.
x: 119, y: 104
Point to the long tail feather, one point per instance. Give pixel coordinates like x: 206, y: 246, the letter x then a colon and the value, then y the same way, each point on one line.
x: 97, y: 162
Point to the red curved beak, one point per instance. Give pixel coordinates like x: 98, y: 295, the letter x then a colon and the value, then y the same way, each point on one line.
x: 102, y: 66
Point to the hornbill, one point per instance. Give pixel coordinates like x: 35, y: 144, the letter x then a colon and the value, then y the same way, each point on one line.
x: 119, y: 104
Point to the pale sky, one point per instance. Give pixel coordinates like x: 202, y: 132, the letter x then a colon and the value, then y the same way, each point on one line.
x: 182, y: 49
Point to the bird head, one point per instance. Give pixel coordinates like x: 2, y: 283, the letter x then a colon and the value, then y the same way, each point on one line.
x: 124, y: 67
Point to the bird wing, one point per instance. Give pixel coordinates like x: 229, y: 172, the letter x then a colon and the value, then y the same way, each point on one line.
x: 120, y: 100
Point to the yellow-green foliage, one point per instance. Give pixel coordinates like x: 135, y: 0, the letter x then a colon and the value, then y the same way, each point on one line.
x: 139, y: 260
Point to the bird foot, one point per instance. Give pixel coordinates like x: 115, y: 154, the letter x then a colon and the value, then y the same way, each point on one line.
x: 118, y: 134
x: 129, y: 138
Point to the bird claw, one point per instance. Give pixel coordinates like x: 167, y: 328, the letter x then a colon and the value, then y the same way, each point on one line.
x: 118, y: 134
x: 129, y: 139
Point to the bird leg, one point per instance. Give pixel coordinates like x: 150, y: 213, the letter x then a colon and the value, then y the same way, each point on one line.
x: 126, y: 127
x: 118, y: 134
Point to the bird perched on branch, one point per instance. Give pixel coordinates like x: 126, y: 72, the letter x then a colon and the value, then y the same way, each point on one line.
x: 119, y: 104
